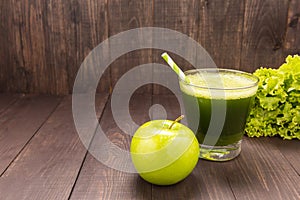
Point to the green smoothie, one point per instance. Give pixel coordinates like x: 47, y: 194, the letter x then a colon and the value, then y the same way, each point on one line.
x: 229, y: 93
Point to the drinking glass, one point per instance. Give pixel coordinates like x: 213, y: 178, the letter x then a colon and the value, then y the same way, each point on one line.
x: 217, y: 103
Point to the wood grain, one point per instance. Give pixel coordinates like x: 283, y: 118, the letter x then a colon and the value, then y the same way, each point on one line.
x: 48, y: 166
x: 220, y: 31
x: 122, y: 16
x: 11, y: 53
x: 7, y: 100
x: 4, y: 38
x: 169, y: 103
x: 56, y: 51
x: 47, y: 43
x: 35, y: 57
x: 98, y: 181
x: 207, y: 181
x: 17, y: 128
x: 180, y: 16
x: 44, y: 43
x: 89, y: 25
x: 29, y: 48
x: 264, y: 32
x: 292, y: 40
x: 290, y: 150
x: 53, y: 164
x: 264, y: 172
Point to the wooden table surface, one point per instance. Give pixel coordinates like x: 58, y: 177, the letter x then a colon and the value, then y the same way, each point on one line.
x: 42, y: 157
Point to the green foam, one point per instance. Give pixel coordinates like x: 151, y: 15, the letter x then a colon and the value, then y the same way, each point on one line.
x: 223, y: 85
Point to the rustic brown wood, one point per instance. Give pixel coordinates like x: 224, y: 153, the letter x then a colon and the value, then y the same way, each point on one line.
x: 290, y: 149
x: 220, y: 31
x: 207, y: 181
x: 181, y: 16
x: 292, y: 40
x: 264, y: 172
x: 122, y: 16
x: 263, y: 35
x: 169, y: 103
x: 29, y: 56
x: 4, y: 53
x: 97, y: 181
x: 35, y: 51
x: 7, y: 100
x: 44, y: 43
x: 53, y: 22
x: 47, y: 43
x: 12, y: 64
x: 89, y: 27
x: 55, y: 165
x: 16, y: 133
x: 48, y: 166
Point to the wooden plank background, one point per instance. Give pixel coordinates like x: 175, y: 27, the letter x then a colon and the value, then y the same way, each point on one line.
x: 43, y: 43
x: 42, y: 157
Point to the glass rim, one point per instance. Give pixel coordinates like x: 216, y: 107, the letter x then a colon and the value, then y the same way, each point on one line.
x: 249, y: 75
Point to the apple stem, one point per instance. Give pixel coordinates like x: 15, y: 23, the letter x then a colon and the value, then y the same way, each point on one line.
x: 176, y: 120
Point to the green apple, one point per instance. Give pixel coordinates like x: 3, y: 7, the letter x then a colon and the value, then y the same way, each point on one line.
x: 164, y: 152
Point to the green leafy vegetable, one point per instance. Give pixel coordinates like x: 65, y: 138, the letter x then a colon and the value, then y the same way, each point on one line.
x: 276, y: 108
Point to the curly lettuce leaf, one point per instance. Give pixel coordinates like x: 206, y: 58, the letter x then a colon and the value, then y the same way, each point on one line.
x: 276, y: 110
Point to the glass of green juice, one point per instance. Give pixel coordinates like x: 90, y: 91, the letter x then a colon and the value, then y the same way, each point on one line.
x: 217, y: 103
